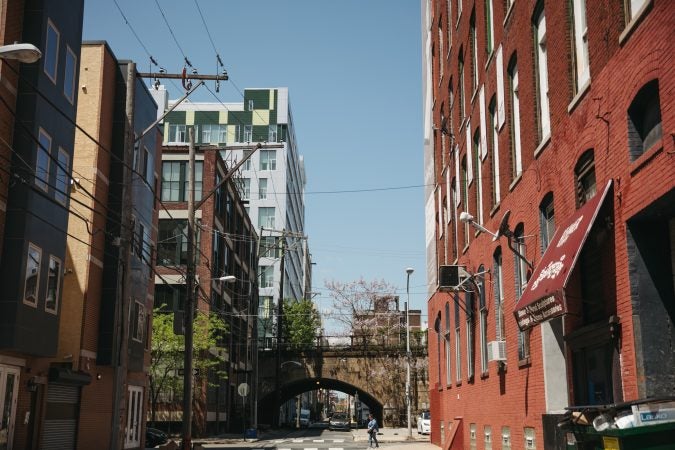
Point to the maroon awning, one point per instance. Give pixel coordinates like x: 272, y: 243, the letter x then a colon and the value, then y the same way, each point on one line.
x: 544, y: 296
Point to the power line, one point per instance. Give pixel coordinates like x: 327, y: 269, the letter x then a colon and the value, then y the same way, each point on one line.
x: 187, y: 61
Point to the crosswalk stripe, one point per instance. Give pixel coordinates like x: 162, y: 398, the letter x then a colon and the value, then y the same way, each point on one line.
x: 335, y: 448
x: 319, y: 440
x: 311, y: 448
x: 338, y: 441
x: 298, y: 441
x: 283, y: 449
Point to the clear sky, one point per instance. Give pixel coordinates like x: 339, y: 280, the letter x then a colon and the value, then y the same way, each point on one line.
x: 353, y: 69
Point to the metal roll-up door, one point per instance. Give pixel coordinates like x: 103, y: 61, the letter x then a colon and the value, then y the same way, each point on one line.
x: 60, y: 425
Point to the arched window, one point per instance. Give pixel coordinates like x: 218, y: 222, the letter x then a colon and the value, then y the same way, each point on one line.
x: 499, y: 293
x: 437, y: 329
x: 584, y: 177
x: 448, y: 357
x: 521, y: 281
x: 546, y: 220
x: 644, y: 120
x: 482, y: 308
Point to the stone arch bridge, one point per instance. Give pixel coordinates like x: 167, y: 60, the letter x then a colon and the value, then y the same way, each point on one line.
x: 377, y: 373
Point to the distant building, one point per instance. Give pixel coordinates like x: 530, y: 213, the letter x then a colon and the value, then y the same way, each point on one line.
x: 550, y: 119
x: 37, y: 135
x: 227, y: 246
x: 271, y: 183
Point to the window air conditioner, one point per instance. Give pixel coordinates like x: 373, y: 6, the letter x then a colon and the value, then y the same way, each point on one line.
x: 450, y: 277
x: 496, y: 351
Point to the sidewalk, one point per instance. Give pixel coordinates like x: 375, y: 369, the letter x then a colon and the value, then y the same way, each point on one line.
x: 390, y: 435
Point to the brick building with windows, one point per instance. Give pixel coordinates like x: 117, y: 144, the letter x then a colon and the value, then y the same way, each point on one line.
x: 547, y: 123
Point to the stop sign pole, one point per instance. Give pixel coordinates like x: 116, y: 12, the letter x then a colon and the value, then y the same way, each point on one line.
x: 243, y: 389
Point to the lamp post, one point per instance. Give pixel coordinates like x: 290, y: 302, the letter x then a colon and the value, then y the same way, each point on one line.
x: 24, y: 53
x: 408, y: 399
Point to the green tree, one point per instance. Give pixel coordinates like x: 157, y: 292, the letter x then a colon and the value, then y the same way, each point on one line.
x: 167, y: 350
x: 301, y: 321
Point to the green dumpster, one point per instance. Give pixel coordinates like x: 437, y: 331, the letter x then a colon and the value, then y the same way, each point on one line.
x: 648, y: 437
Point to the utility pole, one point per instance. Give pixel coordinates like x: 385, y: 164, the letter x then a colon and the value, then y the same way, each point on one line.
x: 190, y: 297
x: 123, y: 303
x: 280, y: 322
x: 408, y: 397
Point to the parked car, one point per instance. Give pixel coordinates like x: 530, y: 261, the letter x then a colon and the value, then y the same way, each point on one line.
x: 155, y: 437
x: 424, y: 423
x: 339, y: 421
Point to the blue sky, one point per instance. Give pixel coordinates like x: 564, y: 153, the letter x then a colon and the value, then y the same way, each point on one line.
x: 353, y: 69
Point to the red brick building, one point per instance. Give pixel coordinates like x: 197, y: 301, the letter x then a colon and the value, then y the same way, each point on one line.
x: 551, y: 119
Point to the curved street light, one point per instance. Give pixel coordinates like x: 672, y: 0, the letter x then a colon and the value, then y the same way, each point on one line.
x: 25, y: 53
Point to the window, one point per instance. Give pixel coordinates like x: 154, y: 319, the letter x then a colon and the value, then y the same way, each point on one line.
x: 173, y: 296
x: 42, y: 161
x: 132, y: 432
x: 437, y: 328
x: 140, y: 239
x: 521, y: 281
x: 143, y: 163
x: 53, y: 285
x: 138, y: 325
x: 272, y: 134
x: 268, y: 159
x: 214, y: 134
x: 516, y: 160
x: 441, y: 52
x: 644, y: 120
x: 248, y: 133
x: 474, y: 53
x: 458, y: 337
x: 528, y: 434
x: 175, y: 182
x: 51, y: 51
x: 469, y: 304
x: 541, y: 72
x: 459, y: 9
x: 493, y: 135
x: 487, y: 430
x: 262, y: 188
x: 247, y: 163
x: 499, y: 294
x: 250, y: 105
x: 546, y: 221
x: 482, y: 307
x: 454, y: 198
x: 62, y: 179
x: 509, y: 4
x: 506, y: 438
x: 267, y: 309
x: 245, y: 188
x: 177, y: 133
x: 266, y: 276
x: 489, y: 27
x: 584, y: 177
x: 70, y: 75
x: 32, y: 280
x: 266, y: 217
x: 448, y: 357
x: 472, y: 436
x: 633, y: 8
x: 579, y: 43
x: 172, y: 242
x: 460, y: 85
x: 269, y: 247
x: 478, y: 177
x: 465, y: 198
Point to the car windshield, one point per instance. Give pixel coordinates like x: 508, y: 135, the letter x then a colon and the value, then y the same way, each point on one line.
x: 339, y: 416
x: 426, y: 415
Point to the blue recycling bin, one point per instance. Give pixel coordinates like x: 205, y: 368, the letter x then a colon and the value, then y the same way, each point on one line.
x: 251, y: 433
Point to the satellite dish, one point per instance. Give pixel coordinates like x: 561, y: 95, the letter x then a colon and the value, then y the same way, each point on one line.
x: 503, y: 229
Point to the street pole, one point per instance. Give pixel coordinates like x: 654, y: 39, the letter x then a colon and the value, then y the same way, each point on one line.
x: 408, y: 398
x: 122, y: 305
x: 280, y: 319
x: 190, y: 297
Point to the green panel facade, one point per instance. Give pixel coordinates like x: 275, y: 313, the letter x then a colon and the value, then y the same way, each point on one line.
x: 273, y: 116
x: 202, y: 117
x: 239, y: 118
x: 260, y: 133
x: 260, y: 97
x: 175, y: 117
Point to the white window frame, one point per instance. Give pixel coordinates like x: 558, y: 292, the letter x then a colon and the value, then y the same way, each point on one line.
x: 262, y: 188
x: 458, y: 345
x: 43, y: 181
x: 245, y: 188
x: 57, y: 292
x: 62, y: 187
x: 9, y: 404
x: 541, y: 71
x: 515, y: 122
x: 273, y: 133
x: 248, y: 133
x: 479, y: 178
x: 267, y: 276
x: 268, y: 159
x: 582, y: 71
x: 489, y: 28
x: 469, y: 339
x: 497, y: 259
x: 439, y: 211
x: 494, y: 129
x: 178, y: 129
x: 448, y: 353
x: 634, y: 7
x: 138, y: 332
x: 501, y: 107
x: 51, y: 72
x: 73, y: 57
x: 270, y: 220
x: 135, y: 419
x: 35, y: 295
x: 474, y: 55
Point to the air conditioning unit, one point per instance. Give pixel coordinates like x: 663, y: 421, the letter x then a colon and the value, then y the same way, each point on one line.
x: 450, y: 277
x: 496, y: 351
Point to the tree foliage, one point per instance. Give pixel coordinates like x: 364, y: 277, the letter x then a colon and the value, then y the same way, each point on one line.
x: 167, y: 353
x: 301, y: 322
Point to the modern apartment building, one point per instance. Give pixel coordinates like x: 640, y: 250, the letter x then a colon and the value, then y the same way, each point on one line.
x: 550, y: 219
x: 37, y: 130
x: 271, y: 182
x: 228, y: 245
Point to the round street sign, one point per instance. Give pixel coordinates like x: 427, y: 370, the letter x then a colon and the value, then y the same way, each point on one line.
x: 243, y: 389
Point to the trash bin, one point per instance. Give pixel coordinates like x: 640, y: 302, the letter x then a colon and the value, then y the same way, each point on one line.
x: 648, y: 437
x: 251, y: 433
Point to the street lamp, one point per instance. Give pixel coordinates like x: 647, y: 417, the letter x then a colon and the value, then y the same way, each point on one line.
x: 24, y: 53
x: 409, y: 272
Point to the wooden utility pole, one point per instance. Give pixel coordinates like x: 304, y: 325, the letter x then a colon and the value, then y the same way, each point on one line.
x: 190, y: 297
x: 123, y: 303
x: 280, y: 324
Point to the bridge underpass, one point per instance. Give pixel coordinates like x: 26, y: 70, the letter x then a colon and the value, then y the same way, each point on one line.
x: 376, y: 373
